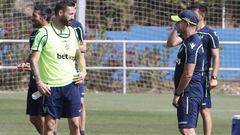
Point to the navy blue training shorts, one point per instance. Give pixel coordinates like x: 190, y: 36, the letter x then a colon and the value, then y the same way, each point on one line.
x: 81, y: 90
x: 34, y: 107
x: 188, y: 111
x: 206, y: 102
x: 63, y: 100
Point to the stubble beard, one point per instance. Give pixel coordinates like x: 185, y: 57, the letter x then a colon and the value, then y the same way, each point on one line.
x: 64, y: 21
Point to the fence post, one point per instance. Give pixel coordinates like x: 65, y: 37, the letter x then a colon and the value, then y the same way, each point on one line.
x: 124, y: 69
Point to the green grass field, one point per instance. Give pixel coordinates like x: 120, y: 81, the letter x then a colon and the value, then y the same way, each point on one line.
x: 118, y: 114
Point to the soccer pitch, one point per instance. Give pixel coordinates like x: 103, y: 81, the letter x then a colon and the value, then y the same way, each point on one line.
x: 118, y: 114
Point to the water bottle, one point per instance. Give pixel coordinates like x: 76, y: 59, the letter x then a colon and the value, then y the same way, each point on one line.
x: 36, y: 95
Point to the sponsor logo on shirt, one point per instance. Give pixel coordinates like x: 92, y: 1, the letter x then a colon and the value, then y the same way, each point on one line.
x: 65, y: 56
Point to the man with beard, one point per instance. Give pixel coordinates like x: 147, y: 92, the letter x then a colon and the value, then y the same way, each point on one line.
x: 55, y: 49
x: 40, y: 17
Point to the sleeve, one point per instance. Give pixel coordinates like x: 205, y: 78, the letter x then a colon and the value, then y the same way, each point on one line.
x: 214, y: 42
x: 31, y: 38
x: 80, y: 32
x: 40, y: 40
x: 191, y: 53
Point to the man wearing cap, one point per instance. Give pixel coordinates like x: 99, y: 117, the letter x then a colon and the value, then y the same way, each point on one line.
x: 188, y: 73
x: 211, y: 48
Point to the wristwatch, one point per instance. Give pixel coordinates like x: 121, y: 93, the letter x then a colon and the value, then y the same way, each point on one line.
x: 214, y: 77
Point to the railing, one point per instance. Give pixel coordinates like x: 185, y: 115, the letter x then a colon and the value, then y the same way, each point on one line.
x: 124, y: 67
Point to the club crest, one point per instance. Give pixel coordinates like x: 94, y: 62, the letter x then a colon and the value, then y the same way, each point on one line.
x: 192, y: 45
x: 67, y: 45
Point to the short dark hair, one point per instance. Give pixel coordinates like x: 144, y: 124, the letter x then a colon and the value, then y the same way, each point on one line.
x: 202, y: 8
x: 75, y: 1
x: 63, y: 5
x: 44, y: 10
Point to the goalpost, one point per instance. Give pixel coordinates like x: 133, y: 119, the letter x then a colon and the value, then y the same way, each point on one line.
x: 126, y: 43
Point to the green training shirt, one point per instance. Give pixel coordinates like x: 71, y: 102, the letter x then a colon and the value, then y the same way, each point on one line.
x: 57, y: 60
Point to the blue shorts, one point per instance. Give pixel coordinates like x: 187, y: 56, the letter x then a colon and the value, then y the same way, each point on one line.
x: 187, y: 112
x: 206, y: 102
x: 81, y: 90
x: 34, y: 107
x: 63, y: 100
